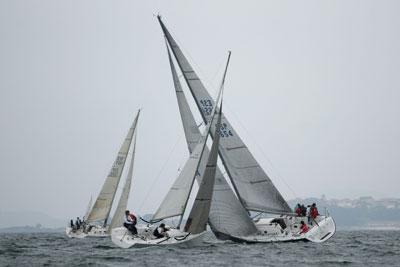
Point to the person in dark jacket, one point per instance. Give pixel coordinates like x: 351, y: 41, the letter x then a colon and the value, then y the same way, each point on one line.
x: 160, y: 231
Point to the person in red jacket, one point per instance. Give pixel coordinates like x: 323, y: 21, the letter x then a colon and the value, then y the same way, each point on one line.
x: 298, y: 209
x: 303, y: 228
x: 314, y: 211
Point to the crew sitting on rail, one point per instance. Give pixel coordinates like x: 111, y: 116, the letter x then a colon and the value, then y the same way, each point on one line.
x: 130, y: 222
x: 303, y: 228
x: 161, y: 231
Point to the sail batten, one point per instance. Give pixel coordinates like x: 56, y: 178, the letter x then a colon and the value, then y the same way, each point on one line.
x: 233, y: 152
x: 102, y: 206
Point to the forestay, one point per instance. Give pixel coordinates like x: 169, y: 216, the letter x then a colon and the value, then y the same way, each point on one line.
x: 102, y: 206
x: 227, y: 215
x: 118, y: 217
x: 255, y: 189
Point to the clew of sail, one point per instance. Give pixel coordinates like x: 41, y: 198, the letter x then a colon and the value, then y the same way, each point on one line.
x: 227, y: 215
x: 102, y: 207
x: 253, y: 186
x: 118, y: 217
x: 175, y: 201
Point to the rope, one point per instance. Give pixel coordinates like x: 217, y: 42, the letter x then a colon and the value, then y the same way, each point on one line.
x: 181, y: 238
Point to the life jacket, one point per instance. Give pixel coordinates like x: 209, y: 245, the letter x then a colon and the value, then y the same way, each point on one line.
x: 298, y: 211
x: 314, y: 212
x: 133, y: 218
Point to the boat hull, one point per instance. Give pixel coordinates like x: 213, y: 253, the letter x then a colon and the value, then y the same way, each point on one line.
x: 95, y: 231
x: 122, y: 238
x: 321, y: 229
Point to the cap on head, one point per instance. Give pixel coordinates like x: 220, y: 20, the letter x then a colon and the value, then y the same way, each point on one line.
x: 127, y: 212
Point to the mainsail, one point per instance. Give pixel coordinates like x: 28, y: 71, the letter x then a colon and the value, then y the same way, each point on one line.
x: 253, y: 186
x: 118, y: 217
x: 227, y: 215
x: 175, y: 201
x: 102, y: 207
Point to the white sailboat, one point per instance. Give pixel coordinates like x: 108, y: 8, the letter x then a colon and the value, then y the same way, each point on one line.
x: 176, y: 200
x: 95, y: 223
x: 230, y: 219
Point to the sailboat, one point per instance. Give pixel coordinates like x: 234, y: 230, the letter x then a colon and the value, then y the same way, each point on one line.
x: 176, y: 201
x: 96, y: 218
x: 253, y: 189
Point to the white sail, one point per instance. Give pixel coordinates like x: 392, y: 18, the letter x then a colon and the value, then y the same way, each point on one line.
x: 118, y: 218
x: 89, y: 207
x: 102, y: 206
x: 227, y: 215
x: 175, y: 201
x: 253, y: 186
x: 198, y: 217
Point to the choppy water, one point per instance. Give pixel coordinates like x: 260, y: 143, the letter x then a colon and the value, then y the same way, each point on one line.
x: 356, y: 248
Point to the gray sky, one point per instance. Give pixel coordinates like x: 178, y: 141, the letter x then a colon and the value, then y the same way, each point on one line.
x: 312, y: 89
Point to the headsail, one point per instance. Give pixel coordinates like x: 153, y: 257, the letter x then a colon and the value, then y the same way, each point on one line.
x: 102, y: 207
x: 255, y: 189
x: 175, y: 201
x: 227, y: 215
x: 118, y: 217
x: 198, y: 217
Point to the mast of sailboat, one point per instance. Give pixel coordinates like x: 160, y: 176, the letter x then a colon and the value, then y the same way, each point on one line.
x: 213, y: 112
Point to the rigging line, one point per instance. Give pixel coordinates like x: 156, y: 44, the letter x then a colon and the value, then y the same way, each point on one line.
x: 157, y: 178
x: 279, y: 176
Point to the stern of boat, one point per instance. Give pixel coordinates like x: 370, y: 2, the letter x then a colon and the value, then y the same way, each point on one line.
x: 323, y: 229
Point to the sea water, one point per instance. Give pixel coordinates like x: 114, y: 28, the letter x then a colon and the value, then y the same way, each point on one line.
x: 351, y: 248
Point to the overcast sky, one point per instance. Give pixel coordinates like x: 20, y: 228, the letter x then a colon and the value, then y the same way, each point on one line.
x: 312, y: 89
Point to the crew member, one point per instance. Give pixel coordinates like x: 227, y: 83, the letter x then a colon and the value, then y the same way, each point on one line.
x: 160, y: 231
x: 130, y: 222
x: 303, y: 228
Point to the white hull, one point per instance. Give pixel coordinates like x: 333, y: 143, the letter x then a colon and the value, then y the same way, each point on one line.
x: 122, y: 238
x: 320, y: 230
x: 95, y: 231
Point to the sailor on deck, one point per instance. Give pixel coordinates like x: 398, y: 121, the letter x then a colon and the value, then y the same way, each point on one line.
x: 130, y: 222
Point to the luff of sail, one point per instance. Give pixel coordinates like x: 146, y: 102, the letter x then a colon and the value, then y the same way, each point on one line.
x: 174, y: 203
x: 197, y: 220
x: 102, y: 207
x: 88, y: 209
x: 227, y: 216
x: 253, y: 186
x: 118, y: 217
